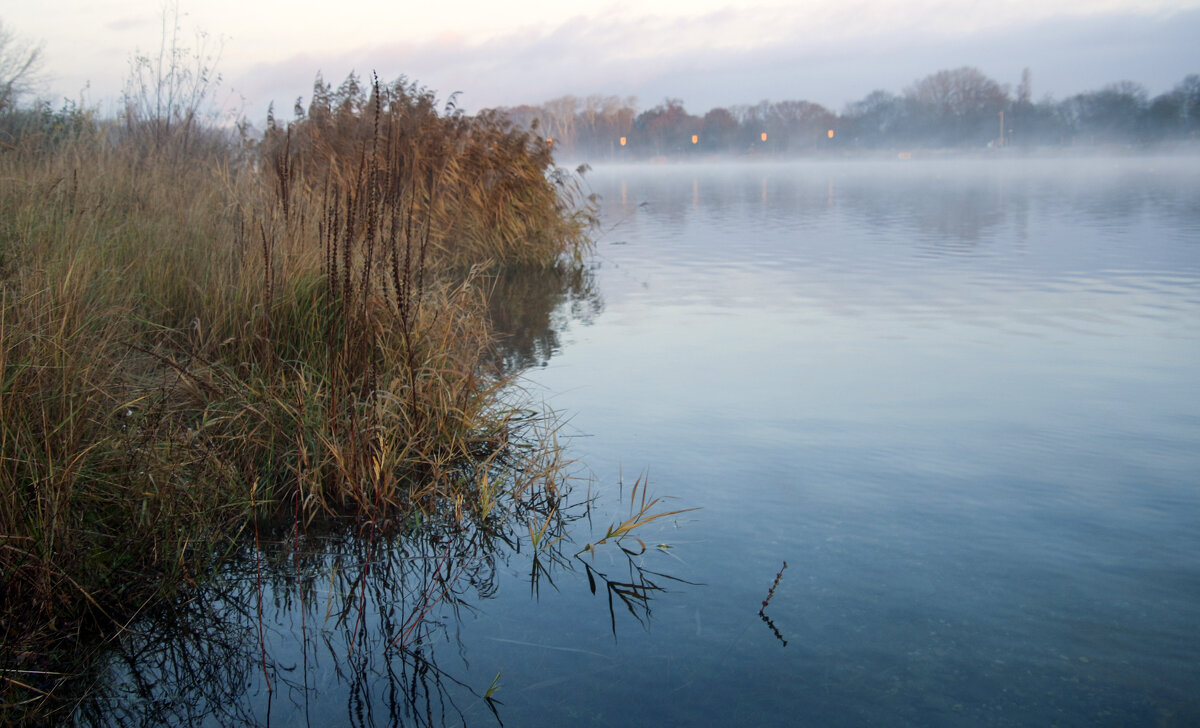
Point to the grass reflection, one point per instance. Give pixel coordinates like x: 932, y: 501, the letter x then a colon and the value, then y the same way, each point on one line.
x: 349, y: 621
x: 529, y: 306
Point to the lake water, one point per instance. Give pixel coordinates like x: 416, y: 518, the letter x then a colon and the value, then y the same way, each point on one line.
x: 960, y: 400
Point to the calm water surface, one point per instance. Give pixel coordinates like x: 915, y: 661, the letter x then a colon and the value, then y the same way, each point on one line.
x: 961, y: 401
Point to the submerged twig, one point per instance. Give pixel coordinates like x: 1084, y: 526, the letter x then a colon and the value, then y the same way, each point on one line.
x: 774, y: 584
x: 762, y: 611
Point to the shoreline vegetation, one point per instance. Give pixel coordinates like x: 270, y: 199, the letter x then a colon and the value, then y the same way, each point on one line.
x: 199, y: 335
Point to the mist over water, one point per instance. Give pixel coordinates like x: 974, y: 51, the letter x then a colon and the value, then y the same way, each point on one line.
x: 958, y: 399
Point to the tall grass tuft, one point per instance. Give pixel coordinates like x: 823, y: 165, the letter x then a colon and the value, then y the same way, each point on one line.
x: 185, y: 340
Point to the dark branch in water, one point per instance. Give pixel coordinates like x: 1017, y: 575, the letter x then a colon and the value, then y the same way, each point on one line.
x: 774, y: 584
x: 762, y: 610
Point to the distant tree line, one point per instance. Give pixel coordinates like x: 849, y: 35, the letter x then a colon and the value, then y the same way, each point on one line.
x: 957, y: 109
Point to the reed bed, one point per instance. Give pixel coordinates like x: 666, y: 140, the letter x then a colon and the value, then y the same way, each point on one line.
x: 192, y: 340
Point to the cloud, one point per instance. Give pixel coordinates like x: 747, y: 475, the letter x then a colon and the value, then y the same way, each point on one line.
x: 121, y: 25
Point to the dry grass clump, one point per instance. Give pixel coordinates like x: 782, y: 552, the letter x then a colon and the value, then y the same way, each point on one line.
x: 186, y: 344
x: 487, y: 190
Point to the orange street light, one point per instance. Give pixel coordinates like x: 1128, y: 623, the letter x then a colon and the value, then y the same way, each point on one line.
x: 764, y: 136
x: 831, y: 133
x: 622, y: 141
x: 695, y: 139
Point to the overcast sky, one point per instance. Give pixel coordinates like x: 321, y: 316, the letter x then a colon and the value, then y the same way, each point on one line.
x: 707, y: 52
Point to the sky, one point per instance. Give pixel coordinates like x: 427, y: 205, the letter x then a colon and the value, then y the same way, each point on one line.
x: 708, y: 53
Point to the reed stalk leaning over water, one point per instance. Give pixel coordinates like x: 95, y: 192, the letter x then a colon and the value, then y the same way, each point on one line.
x: 299, y: 315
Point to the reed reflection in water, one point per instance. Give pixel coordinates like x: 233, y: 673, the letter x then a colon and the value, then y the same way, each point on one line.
x: 358, y: 622
x: 342, y: 626
x: 531, y: 308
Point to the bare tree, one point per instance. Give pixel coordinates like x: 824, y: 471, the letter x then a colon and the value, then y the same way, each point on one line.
x: 167, y: 93
x: 959, y: 93
x: 1025, y: 89
x: 20, y: 66
x: 796, y: 125
x: 958, y: 105
x: 720, y: 129
x: 560, y: 120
